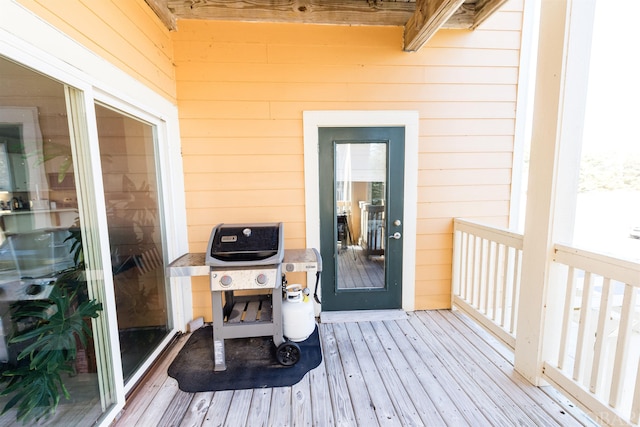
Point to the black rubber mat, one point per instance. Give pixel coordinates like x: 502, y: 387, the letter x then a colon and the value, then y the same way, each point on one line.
x: 251, y: 363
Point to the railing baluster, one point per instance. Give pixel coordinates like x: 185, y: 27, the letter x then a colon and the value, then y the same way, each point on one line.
x: 566, y: 317
x: 601, y: 336
x: 480, y: 275
x: 515, y: 279
x: 505, y: 296
x: 497, y: 291
x: 635, y: 407
x: 578, y: 367
x: 624, y: 336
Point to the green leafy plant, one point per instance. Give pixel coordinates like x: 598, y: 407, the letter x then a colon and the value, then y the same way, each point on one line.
x: 36, y: 383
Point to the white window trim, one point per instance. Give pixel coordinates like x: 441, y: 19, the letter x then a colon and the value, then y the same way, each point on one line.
x: 407, y: 119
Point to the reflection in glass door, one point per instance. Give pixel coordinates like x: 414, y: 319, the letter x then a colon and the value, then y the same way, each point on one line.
x: 361, y: 170
x: 135, y: 234
x: 48, y: 280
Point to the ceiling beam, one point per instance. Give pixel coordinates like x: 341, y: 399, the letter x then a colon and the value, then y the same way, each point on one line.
x: 345, y: 12
x: 484, y: 9
x: 159, y: 7
x: 429, y: 17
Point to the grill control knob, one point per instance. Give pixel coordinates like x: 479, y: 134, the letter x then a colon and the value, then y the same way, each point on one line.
x: 262, y: 279
x: 226, y: 281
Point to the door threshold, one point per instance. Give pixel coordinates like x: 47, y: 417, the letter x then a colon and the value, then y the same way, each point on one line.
x: 361, y: 316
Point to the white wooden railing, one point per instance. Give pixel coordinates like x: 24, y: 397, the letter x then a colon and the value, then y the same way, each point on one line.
x: 599, y: 351
x: 596, y: 360
x: 486, y: 276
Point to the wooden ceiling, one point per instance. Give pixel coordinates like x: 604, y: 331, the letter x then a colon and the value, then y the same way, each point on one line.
x: 420, y: 18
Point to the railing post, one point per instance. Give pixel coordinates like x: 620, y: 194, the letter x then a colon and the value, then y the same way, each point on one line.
x: 558, y: 117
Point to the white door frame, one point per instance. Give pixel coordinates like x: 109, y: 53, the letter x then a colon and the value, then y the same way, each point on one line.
x: 313, y: 120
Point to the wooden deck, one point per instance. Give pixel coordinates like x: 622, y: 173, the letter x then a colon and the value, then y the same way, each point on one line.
x: 357, y: 270
x: 434, y: 368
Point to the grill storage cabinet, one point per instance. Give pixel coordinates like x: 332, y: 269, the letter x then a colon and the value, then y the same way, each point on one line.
x: 254, y: 313
x: 372, y: 231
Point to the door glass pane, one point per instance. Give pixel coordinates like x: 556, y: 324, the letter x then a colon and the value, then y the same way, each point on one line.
x: 46, y: 284
x: 360, y: 189
x: 135, y: 234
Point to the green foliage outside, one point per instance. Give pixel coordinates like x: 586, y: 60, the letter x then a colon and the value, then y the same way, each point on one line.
x: 609, y: 172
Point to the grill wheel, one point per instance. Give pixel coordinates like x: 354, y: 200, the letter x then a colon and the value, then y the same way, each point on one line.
x: 288, y: 353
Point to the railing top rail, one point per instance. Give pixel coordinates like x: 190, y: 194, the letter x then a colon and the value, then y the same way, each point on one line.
x: 614, y: 268
x: 499, y: 235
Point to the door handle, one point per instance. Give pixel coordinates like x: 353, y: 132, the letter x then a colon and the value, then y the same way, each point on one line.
x: 396, y: 235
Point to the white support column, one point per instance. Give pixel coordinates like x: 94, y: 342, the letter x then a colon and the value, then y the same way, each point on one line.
x: 558, y: 117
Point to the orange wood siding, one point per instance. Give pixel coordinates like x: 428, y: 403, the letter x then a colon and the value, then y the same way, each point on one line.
x: 126, y: 33
x: 242, y: 88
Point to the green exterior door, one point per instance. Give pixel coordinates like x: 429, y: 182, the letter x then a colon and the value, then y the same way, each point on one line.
x: 361, y: 217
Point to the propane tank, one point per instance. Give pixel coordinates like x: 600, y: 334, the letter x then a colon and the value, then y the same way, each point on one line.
x: 298, y: 318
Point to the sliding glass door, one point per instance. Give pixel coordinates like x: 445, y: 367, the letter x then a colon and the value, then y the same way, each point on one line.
x: 127, y: 153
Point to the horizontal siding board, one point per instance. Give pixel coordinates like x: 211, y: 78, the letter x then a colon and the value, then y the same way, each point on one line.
x: 274, y: 213
x: 242, y: 181
x: 247, y: 164
x: 347, y: 54
x: 461, y: 209
x: 433, y: 256
x: 240, y: 128
x: 465, y: 160
x: 479, y: 39
x: 228, y: 109
x: 245, y: 198
x: 465, y: 192
x: 464, y: 177
x: 199, y: 50
x: 207, y: 71
x: 341, y: 92
x: 434, y: 226
x: 257, y: 146
x: 485, y: 126
x: 466, y: 143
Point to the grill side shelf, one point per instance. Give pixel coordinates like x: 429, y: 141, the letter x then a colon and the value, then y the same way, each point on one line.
x: 190, y: 264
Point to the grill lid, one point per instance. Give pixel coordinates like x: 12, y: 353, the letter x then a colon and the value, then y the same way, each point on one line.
x: 245, y: 244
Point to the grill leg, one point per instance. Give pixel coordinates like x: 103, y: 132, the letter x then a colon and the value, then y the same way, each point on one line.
x: 218, y: 335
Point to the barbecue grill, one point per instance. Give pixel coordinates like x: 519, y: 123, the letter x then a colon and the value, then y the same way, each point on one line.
x: 247, y: 257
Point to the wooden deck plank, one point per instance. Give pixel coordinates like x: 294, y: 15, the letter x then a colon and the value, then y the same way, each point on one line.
x: 239, y: 408
x: 301, y: 403
x: 380, y: 398
x: 490, y: 348
x: 338, y: 391
x: 407, y: 394
x: 364, y: 412
x: 280, y: 407
x: 510, y: 381
x: 219, y: 408
x: 434, y: 391
x: 195, y: 414
x: 505, y: 394
x: 321, y: 410
x: 492, y: 411
x: 259, y: 409
x: 140, y: 399
x: 430, y: 368
x: 455, y: 395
